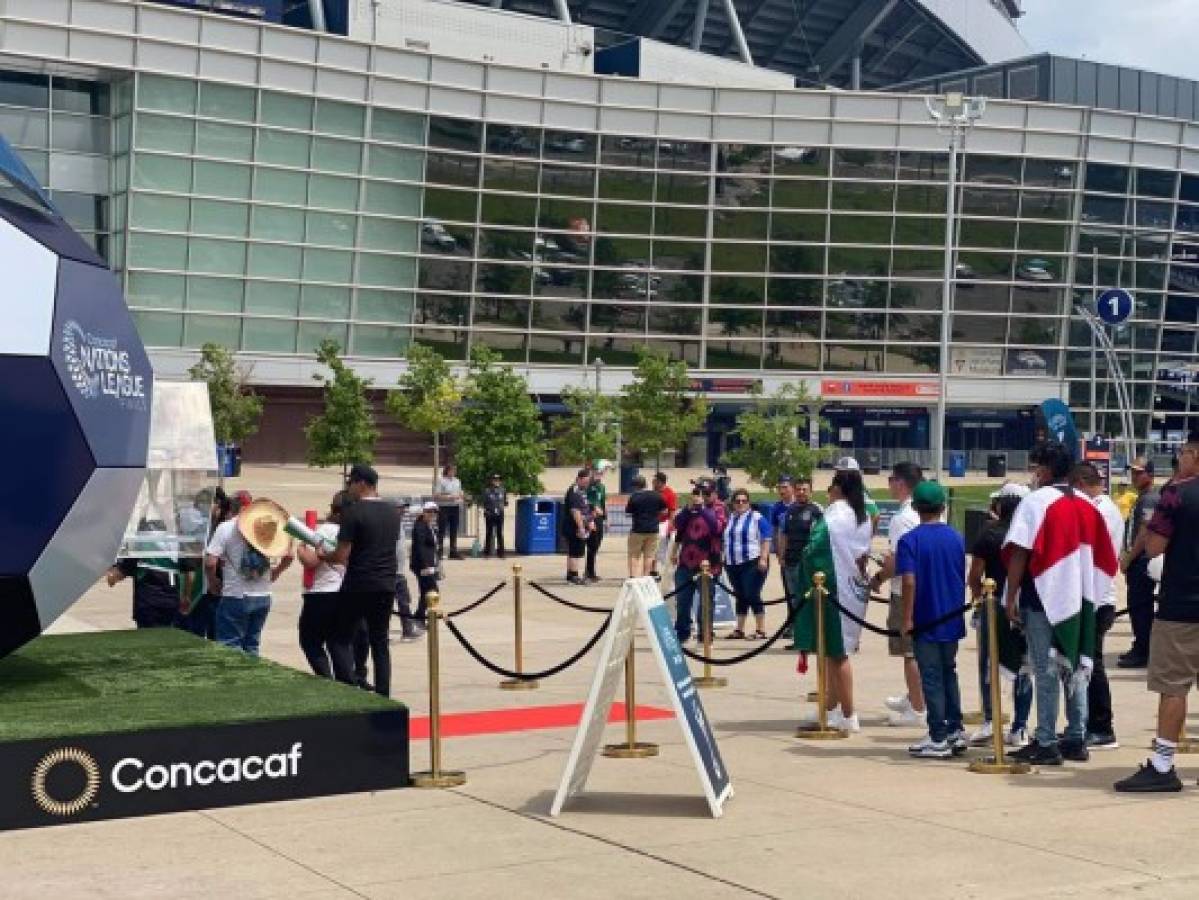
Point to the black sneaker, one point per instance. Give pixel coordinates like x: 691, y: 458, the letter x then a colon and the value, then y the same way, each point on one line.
x: 1106, y: 741
x: 1074, y: 751
x: 574, y: 579
x: 1034, y: 754
x: 1149, y: 780
x: 1132, y: 661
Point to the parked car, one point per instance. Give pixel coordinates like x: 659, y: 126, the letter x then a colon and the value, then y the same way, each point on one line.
x: 434, y: 234
x: 1035, y: 270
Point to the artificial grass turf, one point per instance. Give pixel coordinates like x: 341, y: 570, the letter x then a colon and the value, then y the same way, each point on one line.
x: 122, y: 681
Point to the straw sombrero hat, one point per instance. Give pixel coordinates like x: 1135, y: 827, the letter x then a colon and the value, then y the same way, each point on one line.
x: 262, y: 524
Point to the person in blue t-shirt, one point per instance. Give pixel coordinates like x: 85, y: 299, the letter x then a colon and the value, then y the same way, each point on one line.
x: 931, y: 560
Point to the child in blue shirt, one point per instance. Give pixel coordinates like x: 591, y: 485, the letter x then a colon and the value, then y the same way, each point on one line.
x: 931, y: 560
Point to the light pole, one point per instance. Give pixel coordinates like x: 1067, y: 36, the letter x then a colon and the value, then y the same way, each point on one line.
x: 954, y: 114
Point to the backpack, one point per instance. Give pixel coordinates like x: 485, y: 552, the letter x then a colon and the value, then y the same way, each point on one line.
x: 253, y: 564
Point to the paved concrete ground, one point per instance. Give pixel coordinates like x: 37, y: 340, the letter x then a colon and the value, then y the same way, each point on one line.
x: 845, y: 819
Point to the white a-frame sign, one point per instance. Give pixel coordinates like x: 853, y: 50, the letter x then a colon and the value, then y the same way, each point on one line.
x: 641, y: 599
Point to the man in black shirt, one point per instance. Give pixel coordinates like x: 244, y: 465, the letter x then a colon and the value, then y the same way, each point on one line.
x: 1135, y: 563
x: 156, y: 597
x: 801, y: 516
x: 645, y: 507
x: 495, y: 500
x: 366, y: 546
x: 576, y: 526
x: 1174, y: 641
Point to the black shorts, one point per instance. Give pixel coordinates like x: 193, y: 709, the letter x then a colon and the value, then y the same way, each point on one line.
x: 576, y: 547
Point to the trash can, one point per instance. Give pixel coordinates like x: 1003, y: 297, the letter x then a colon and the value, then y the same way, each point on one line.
x: 228, y: 460
x: 872, y: 462
x: 997, y: 465
x: 976, y: 521
x: 536, y: 525
x: 627, y: 474
x: 957, y: 464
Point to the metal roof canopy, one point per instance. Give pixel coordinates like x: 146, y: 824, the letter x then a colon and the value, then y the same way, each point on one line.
x: 870, y: 43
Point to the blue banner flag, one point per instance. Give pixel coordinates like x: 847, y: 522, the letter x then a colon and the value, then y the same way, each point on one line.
x: 1059, y: 422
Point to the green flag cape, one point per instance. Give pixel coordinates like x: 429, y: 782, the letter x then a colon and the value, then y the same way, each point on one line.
x: 817, y: 557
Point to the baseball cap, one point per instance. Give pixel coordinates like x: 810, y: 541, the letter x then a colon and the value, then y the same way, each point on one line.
x: 1142, y: 464
x: 848, y: 464
x: 928, y: 493
x: 429, y: 506
x: 1011, y: 489
x: 243, y: 498
x: 784, y: 479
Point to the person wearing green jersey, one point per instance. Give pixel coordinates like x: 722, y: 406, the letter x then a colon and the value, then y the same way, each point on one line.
x: 597, y: 497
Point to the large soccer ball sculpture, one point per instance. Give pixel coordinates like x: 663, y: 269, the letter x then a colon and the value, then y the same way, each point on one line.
x: 75, y: 390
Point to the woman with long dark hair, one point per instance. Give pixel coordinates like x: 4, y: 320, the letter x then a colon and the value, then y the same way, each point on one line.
x: 838, y: 547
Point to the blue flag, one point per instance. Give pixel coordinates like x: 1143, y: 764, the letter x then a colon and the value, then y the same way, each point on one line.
x: 1059, y: 422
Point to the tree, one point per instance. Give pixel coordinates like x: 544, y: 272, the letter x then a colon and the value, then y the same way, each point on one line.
x: 773, y: 435
x: 345, y: 432
x: 659, y: 409
x: 428, y: 398
x: 235, y: 408
x: 588, y: 430
x: 500, y: 431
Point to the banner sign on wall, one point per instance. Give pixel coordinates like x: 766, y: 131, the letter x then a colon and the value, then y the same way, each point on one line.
x: 871, y: 389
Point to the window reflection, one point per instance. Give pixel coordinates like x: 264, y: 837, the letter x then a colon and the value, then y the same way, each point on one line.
x: 634, y: 152
x: 625, y: 318
x: 552, y: 348
x: 872, y: 164
x: 570, y: 146
x: 924, y: 167
x: 690, y: 156
x: 1049, y: 173
x: 805, y: 162
x: 452, y: 169
x: 505, y: 311
x: 510, y: 175
x: 853, y: 357
x: 1107, y: 179
x: 795, y: 292
x: 744, y: 290
x: 573, y: 182
x: 513, y: 140
x: 455, y: 134
x: 984, y: 169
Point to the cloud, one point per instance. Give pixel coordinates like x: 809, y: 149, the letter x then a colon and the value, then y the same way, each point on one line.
x: 1155, y: 35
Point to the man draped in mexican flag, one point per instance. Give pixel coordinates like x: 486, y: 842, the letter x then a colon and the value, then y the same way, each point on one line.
x: 1060, y: 563
x: 839, y: 542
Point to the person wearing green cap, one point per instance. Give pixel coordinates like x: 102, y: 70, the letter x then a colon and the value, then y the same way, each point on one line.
x: 931, y: 561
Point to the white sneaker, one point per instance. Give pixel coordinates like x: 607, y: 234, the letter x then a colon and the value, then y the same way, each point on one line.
x: 812, y: 719
x: 957, y: 742
x: 899, y: 703
x: 1016, y: 738
x: 849, y: 724
x: 909, y: 718
x: 927, y: 748
x: 983, y: 736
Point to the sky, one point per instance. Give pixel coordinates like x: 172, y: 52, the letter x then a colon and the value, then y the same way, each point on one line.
x: 1155, y: 35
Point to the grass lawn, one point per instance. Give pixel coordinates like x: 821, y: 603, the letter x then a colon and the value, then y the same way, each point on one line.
x: 119, y: 681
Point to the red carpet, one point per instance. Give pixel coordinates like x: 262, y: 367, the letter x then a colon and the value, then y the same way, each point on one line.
x: 529, y: 718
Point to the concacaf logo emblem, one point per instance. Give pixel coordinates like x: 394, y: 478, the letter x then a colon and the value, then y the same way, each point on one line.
x: 68, y: 806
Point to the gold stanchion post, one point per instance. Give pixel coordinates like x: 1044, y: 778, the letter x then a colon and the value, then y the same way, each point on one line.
x: 631, y: 748
x: 436, y: 777
x: 821, y: 732
x: 1186, y: 744
x: 996, y: 765
x: 518, y: 684
x: 707, y: 680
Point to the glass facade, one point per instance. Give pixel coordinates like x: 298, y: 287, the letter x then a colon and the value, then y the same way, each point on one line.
x: 62, y: 129
x: 403, y: 197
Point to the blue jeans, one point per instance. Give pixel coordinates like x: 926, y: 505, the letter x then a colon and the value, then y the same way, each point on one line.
x: 1039, y: 634
x: 747, y: 581
x: 1021, y: 689
x: 688, y: 594
x: 239, y: 621
x: 938, y: 665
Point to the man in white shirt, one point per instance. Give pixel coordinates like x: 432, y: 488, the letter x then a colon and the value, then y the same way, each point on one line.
x: 906, y: 709
x: 1101, y: 733
x: 448, y: 497
x: 242, y: 577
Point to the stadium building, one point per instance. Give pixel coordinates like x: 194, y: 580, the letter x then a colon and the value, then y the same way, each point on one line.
x: 754, y: 186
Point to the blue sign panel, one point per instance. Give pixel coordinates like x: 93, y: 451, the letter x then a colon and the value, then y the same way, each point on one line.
x: 1114, y: 306
x: 686, y: 700
x: 1060, y: 422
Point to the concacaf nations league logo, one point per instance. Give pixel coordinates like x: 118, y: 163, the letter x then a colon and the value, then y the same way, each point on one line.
x: 100, y: 368
x: 66, y: 782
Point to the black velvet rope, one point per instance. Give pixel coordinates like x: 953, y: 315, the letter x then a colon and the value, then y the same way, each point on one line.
x: 890, y: 632
x: 770, y: 642
x: 526, y: 676
x: 491, y: 593
x: 568, y: 603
